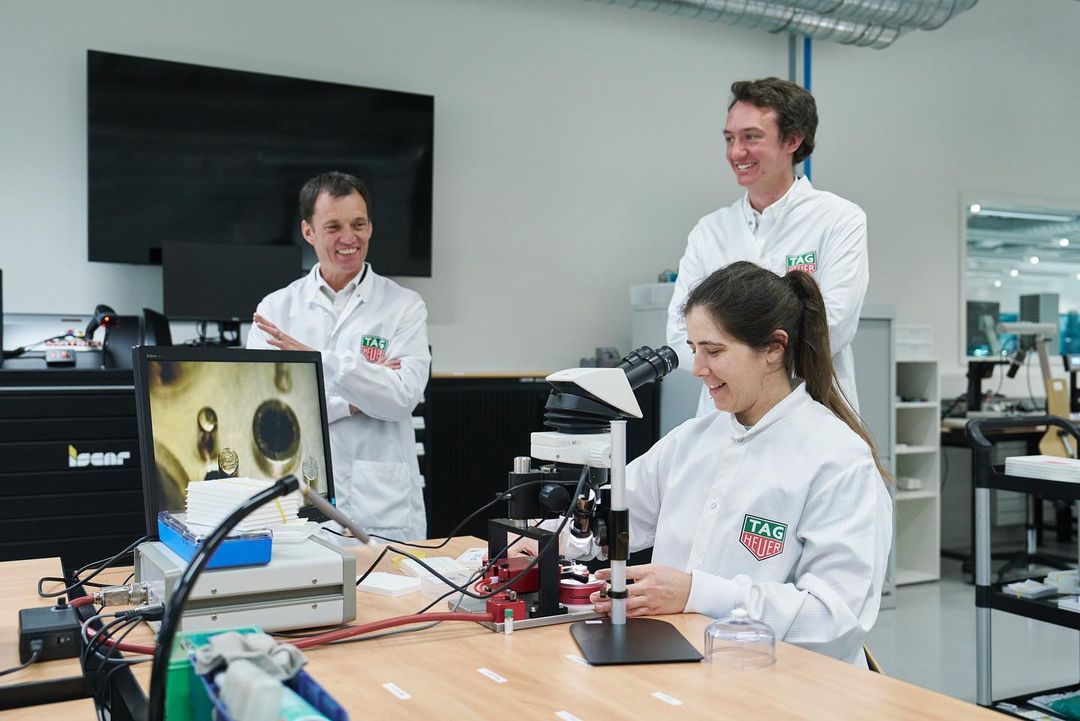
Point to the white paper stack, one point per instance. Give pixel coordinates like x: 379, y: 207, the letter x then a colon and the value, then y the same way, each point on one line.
x: 1069, y: 603
x: 430, y: 584
x: 210, y: 502
x: 1049, y: 468
x: 1030, y: 588
x: 389, y: 584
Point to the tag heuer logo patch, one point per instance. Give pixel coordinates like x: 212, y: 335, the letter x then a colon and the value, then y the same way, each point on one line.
x: 806, y: 262
x: 762, y: 537
x: 374, y: 348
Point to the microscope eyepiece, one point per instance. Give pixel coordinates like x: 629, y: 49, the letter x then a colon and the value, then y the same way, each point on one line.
x: 646, y: 365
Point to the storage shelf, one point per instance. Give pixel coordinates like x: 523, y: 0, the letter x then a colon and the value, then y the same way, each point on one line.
x: 921, y: 494
x: 917, y: 453
x: 912, y: 450
x: 1058, y: 490
x: 1022, y: 700
x: 905, y: 576
x: 1040, y: 609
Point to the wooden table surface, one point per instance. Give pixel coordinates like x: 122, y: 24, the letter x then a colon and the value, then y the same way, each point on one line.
x: 439, y: 670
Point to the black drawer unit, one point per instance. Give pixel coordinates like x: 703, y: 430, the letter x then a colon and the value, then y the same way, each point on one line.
x: 70, y: 480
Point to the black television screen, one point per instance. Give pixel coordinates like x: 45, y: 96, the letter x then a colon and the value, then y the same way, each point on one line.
x: 188, y: 153
x: 204, y: 281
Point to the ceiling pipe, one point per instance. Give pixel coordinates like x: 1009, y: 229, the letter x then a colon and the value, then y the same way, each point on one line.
x: 864, y: 23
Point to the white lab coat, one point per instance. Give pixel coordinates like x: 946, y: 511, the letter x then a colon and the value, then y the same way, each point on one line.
x: 800, y: 467
x: 805, y: 220
x: 376, y: 475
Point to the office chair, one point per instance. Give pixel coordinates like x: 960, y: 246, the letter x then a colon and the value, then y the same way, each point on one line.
x: 154, y: 328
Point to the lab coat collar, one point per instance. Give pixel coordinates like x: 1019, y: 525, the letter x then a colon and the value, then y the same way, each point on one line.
x: 792, y: 403
x: 799, y: 188
x: 361, y: 287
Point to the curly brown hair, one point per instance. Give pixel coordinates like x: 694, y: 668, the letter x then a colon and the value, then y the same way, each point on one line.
x: 795, y: 108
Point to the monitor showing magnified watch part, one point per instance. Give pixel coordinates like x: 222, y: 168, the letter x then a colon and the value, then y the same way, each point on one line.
x: 207, y: 413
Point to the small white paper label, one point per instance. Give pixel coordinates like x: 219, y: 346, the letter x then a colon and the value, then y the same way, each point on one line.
x: 492, y: 675
x: 397, y: 691
x: 577, y: 659
x: 566, y: 716
x: 595, y: 620
x: 472, y: 557
x: 669, y: 700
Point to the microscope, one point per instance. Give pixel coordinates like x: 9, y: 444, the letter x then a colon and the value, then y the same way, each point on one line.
x: 582, y: 481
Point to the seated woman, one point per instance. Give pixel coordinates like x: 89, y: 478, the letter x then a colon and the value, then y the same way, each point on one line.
x: 778, y: 505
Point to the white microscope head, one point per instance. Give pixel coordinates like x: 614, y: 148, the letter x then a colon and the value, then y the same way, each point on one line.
x: 608, y: 385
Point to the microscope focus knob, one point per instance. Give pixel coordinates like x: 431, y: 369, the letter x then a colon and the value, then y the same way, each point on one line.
x: 600, y: 455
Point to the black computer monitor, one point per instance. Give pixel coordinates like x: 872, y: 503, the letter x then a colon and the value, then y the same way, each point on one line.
x: 268, y: 406
x: 204, y: 281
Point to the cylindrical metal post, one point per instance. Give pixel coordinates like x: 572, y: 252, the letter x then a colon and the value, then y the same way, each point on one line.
x: 618, y: 503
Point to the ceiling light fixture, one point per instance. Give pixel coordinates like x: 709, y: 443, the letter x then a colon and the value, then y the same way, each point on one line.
x: 1014, y: 272
x: 1025, y: 215
x: 1063, y: 242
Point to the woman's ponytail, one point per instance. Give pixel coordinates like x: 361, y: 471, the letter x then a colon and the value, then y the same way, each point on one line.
x: 751, y: 303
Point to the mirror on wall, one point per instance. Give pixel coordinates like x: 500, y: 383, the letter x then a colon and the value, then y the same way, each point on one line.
x: 1022, y: 262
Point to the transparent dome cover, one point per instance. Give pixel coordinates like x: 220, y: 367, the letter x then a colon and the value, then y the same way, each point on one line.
x: 739, y: 642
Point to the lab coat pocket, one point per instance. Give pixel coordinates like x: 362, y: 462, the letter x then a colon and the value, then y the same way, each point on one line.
x: 381, y: 494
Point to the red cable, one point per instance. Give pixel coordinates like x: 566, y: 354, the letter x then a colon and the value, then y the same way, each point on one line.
x: 351, y: 631
x: 338, y: 635
x: 81, y: 601
x: 129, y: 647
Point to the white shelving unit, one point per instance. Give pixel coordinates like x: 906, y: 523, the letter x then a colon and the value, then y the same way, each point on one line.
x: 918, y: 455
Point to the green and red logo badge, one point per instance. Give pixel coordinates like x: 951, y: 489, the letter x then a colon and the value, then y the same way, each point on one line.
x: 806, y: 262
x: 374, y: 348
x: 762, y: 537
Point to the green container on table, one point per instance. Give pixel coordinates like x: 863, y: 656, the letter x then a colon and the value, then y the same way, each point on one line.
x: 185, y: 694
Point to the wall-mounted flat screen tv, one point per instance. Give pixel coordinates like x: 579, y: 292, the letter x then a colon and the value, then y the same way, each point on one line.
x: 189, y: 153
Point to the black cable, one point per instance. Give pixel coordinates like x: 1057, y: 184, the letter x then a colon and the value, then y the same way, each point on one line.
x: 31, y: 660
x: 170, y: 622
x: 98, y: 693
x: 112, y: 656
x: 501, y: 496
x: 99, y: 566
x: 532, y: 564
x: 1027, y: 376
x: 100, y: 651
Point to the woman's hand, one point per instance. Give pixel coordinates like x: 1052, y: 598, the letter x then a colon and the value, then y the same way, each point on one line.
x: 655, y: 590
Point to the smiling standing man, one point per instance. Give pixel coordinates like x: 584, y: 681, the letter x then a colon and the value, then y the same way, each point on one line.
x: 782, y: 223
x: 373, y: 337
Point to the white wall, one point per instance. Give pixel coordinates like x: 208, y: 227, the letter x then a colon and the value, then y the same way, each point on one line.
x: 575, y: 145
x: 988, y: 103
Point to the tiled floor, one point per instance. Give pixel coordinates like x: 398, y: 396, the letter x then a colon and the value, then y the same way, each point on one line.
x: 929, y: 640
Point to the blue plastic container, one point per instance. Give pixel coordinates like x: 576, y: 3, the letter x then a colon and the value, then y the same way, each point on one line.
x: 247, y: 549
x: 302, y: 683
